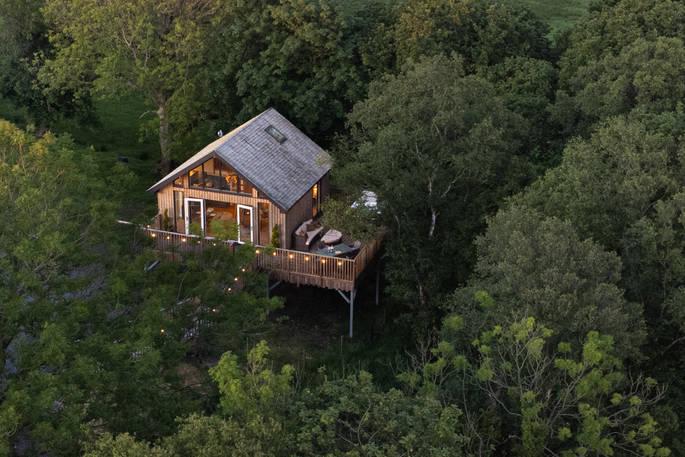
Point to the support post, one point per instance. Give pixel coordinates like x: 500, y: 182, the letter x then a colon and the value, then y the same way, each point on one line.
x: 350, y: 301
x: 378, y: 280
x: 352, y: 294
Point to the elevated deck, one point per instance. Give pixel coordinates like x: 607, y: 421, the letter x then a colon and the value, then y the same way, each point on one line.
x: 287, y: 265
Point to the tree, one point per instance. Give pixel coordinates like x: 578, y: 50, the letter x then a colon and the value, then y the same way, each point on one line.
x: 483, y: 32
x: 546, y: 398
x: 91, y: 339
x: 264, y: 415
x: 439, y: 149
x: 256, y: 391
x: 530, y: 265
x: 305, y: 58
x: 154, y: 48
x: 23, y: 47
x: 624, y: 56
x: 623, y: 187
x: 527, y: 86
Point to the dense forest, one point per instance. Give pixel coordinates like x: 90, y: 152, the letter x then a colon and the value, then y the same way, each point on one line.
x: 530, y: 174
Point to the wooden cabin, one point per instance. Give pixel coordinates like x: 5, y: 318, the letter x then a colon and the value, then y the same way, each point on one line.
x: 265, y: 174
x: 262, y: 175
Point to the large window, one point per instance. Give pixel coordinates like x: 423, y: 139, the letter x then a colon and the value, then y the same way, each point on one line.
x: 214, y: 174
x: 219, y: 211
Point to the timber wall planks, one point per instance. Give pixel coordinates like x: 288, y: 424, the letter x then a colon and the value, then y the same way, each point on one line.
x: 288, y: 222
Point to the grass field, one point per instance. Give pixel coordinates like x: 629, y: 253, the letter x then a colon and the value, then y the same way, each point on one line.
x: 559, y: 14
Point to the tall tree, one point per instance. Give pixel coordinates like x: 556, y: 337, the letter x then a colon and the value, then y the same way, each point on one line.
x: 525, y: 394
x: 311, y: 59
x: 439, y: 148
x: 626, y: 55
x: 484, y: 32
x: 623, y: 187
x: 154, y: 48
x: 23, y: 47
x: 531, y: 265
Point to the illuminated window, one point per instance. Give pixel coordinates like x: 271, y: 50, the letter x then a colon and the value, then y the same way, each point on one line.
x: 195, y: 177
x: 214, y: 174
x: 316, y: 200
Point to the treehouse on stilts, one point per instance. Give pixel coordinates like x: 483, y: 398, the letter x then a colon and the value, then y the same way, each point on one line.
x: 269, y: 179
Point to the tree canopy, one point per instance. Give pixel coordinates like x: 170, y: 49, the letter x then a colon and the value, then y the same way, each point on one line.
x: 529, y: 187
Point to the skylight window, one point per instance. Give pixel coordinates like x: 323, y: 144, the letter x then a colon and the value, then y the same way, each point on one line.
x: 275, y: 133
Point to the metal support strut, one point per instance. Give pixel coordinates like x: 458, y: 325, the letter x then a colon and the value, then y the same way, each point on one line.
x: 350, y: 301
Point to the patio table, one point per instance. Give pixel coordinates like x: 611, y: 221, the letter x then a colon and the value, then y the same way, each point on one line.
x: 336, y: 250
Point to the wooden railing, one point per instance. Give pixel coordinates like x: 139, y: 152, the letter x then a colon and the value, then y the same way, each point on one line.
x: 302, y: 268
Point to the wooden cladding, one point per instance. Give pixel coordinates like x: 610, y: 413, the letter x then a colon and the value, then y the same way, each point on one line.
x: 165, y: 201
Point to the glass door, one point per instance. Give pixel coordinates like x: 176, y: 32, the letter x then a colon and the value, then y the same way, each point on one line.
x: 194, y: 214
x: 245, y: 222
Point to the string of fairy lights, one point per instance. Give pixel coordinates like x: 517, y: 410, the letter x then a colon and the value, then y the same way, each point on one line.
x: 284, y: 253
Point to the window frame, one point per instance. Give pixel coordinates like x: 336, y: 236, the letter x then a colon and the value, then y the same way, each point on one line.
x: 223, y: 170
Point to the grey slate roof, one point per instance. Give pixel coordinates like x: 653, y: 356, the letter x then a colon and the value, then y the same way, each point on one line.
x: 284, y: 172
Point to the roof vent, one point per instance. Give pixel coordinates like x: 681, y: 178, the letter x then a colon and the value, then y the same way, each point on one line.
x: 275, y: 133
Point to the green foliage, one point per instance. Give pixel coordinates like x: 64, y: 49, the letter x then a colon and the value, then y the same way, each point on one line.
x: 81, y: 319
x: 155, y: 48
x: 276, y: 236
x: 484, y: 32
x: 423, y: 141
x: 345, y: 418
x: 623, y: 187
x: 255, y: 392
x: 353, y: 417
x: 23, y: 47
x: 527, y: 86
x: 539, y: 267
x: 360, y: 223
x: 302, y: 57
x: 572, y: 403
x: 624, y: 56
x: 223, y: 230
